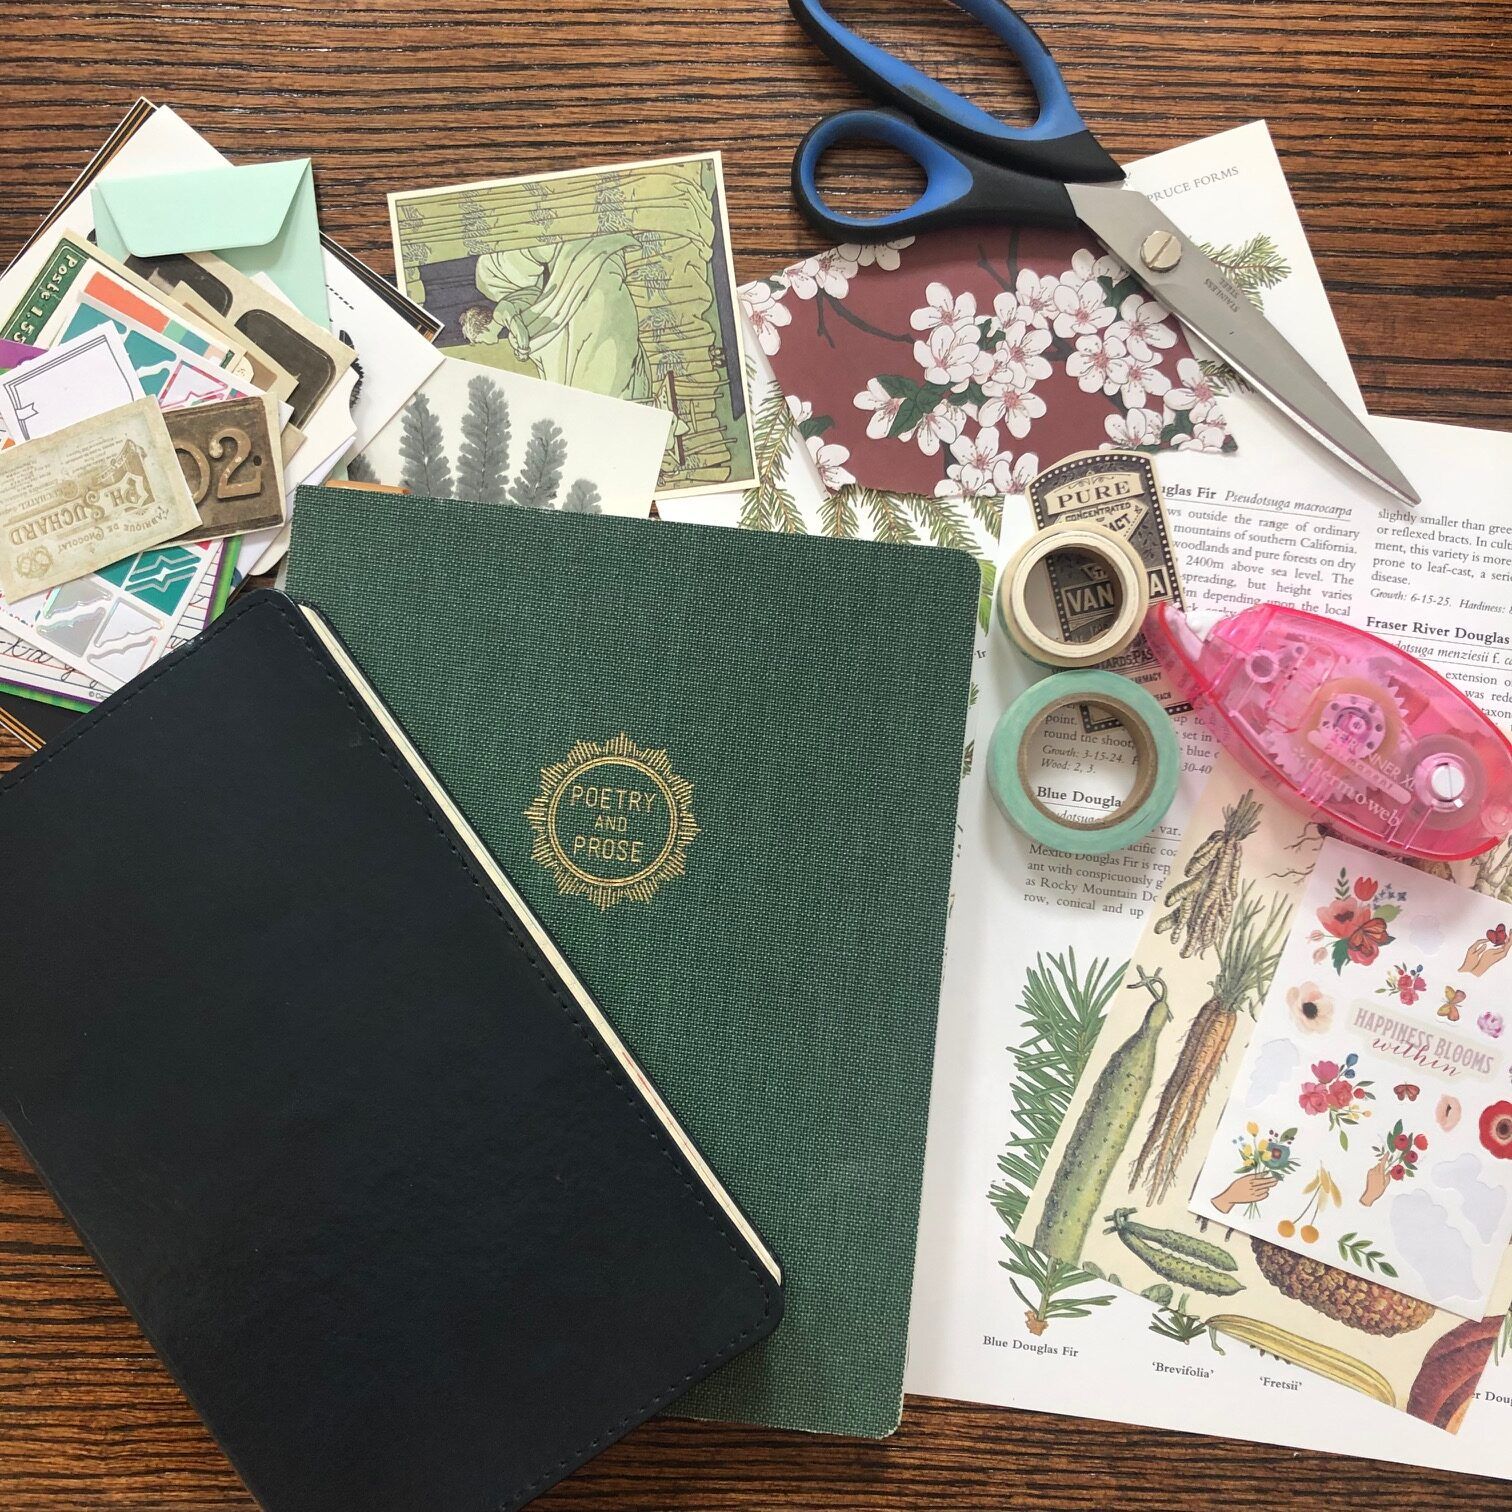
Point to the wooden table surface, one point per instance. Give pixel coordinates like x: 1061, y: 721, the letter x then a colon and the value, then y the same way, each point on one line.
x: 1394, y: 121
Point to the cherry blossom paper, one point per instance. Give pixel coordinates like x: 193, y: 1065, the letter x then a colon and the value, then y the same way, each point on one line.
x: 952, y: 363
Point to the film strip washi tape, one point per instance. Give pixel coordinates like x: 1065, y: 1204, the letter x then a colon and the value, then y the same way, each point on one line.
x: 1010, y: 757
x: 1125, y: 582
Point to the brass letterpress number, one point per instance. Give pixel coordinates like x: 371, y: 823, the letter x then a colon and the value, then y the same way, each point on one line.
x: 240, y: 459
x: 199, y: 484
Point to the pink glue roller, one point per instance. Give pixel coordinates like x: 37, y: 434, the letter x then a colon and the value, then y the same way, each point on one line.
x: 1345, y: 725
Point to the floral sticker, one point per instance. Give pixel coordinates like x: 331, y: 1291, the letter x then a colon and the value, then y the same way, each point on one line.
x: 1263, y: 1161
x: 1496, y: 1129
x: 1335, y: 1091
x: 1357, y: 919
x: 1405, y: 983
x: 965, y: 356
x: 1311, y: 1008
x: 1490, y: 1024
x: 1396, y: 1159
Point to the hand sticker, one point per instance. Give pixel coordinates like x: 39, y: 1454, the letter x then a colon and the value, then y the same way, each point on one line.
x: 1484, y: 953
x: 1251, y: 1187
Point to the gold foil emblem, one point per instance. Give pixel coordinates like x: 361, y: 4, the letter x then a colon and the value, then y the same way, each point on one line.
x: 612, y: 821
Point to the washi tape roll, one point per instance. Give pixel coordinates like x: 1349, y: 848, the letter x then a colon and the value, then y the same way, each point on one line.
x: 1012, y: 749
x: 1125, y: 570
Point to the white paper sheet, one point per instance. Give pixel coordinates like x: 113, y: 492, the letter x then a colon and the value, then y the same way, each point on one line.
x: 1280, y: 520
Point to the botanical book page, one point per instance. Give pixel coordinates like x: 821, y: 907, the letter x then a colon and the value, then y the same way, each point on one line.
x: 1043, y: 946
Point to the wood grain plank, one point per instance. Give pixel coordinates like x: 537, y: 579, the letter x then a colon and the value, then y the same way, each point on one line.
x: 1393, y: 120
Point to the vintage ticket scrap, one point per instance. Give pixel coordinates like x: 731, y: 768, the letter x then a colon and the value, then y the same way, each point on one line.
x: 88, y: 495
x: 1117, y: 489
x: 233, y: 464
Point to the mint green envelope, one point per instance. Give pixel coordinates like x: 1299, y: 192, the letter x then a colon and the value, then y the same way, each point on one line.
x: 260, y: 217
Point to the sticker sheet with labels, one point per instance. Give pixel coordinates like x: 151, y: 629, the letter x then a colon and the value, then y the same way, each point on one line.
x: 1370, y: 1126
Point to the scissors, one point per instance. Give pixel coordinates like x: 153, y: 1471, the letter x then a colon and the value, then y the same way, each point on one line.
x: 1055, y: 173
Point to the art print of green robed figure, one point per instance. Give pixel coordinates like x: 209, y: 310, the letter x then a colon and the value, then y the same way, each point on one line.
x: 613, y: 280
x: 569, y: 310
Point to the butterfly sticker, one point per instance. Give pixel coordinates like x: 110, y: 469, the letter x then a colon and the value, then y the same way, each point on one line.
x: 1406, y: 1092
x: 1453, y: 997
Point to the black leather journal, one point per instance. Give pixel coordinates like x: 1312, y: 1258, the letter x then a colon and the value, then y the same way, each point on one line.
x: 376, y: 1177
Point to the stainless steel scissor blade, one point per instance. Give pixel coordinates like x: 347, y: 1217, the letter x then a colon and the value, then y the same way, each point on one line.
x: 1197, y: 291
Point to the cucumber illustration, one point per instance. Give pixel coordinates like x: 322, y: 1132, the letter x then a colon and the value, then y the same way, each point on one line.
x: 1102, y: 1132
x: 1182, y: 1259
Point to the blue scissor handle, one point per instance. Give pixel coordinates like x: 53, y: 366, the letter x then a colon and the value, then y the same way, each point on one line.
x: 959, y: 188
x: 1058, y: 144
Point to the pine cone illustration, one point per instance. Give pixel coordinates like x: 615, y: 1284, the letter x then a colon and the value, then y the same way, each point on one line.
x: 1347, y: 1299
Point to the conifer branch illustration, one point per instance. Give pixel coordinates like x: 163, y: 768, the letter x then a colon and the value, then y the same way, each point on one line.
x: 1050, y: 1281
x: 422, y: 446
x: 988, y: 508
x: 1225, y: 379
x: 1063, y: 1010
x: 540, y: 474
x: 945, y: 523
x: 786, y: 516
x: 360, y: 470
x: 984, y: 604
x: 765, y: 505
x: 889, y: 516
x: 837, y: 513
x: 483, y: 459
x: 582, y: 498
x: 1254, y: 265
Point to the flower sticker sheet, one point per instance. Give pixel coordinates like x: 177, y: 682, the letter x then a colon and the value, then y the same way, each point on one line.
x: 936, y: 363
x: 1370, y: 1124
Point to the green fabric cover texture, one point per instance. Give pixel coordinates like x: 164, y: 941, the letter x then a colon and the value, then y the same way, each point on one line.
x: 782, y: 991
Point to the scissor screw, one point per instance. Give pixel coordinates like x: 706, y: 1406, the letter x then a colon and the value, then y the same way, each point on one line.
x: 1160, y: 251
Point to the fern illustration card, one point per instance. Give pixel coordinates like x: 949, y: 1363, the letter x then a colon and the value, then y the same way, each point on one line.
x: 617, y: 280
x: 1370, y: 1123
x: 473, y: 432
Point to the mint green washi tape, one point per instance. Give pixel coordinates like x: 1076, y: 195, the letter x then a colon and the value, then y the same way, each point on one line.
x: 1157, y: 755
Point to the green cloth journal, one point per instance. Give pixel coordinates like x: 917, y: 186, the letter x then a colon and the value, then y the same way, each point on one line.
x: 723, y: 768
